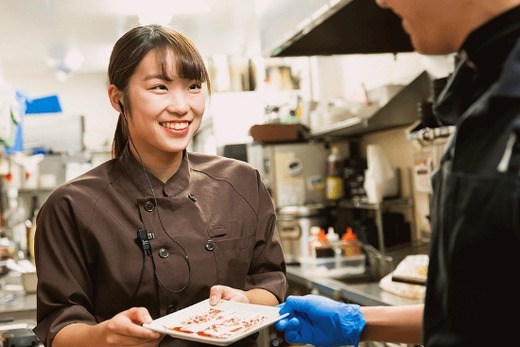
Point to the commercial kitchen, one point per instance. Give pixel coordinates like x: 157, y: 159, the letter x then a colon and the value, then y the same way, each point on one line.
x: 291, y: 81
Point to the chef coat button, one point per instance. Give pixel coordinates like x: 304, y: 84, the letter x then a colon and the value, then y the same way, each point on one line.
x: 210, y: 245
x: 149, y: 205
x: 163, y: 253
x: 171, y: 308
x: 192, y: 197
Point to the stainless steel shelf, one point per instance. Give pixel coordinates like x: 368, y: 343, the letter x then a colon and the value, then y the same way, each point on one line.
x: 401, y: 110
x: 406, y: 202
x: 378, y: 209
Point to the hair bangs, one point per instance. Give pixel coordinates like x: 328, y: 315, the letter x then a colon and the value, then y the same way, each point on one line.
x: 189, y: 63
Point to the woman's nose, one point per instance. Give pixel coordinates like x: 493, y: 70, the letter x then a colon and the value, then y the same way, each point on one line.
x: 178, y: 103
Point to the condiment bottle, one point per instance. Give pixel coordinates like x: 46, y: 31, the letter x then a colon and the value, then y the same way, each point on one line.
x: 322, y: 247
x: 334, y: 241
x: 351, y: 245
x: 313, y: 240
x: 331, y: 235
x: 334, y: 177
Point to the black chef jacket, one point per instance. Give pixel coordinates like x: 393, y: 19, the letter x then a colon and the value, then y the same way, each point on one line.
x: 212, y: 223
x: 473, y: 287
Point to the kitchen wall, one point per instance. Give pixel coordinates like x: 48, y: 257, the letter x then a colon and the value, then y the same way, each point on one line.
x: 82, y: 94
x: 231, y: 114
x: 320, y: 79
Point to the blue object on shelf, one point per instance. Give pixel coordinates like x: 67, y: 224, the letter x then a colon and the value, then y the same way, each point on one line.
x: 17, y: 145
x: 48, y: 104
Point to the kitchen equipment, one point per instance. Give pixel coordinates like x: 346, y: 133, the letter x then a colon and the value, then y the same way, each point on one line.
x: 296, y: 28
x: 22, y: 337
x: 379, y: 263
x: 294, y: 172
x: 294, y: 224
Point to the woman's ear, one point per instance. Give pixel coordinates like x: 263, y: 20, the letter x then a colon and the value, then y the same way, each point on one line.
x: 115, y: 96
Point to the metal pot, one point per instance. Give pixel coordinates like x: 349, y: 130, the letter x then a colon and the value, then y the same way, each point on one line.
x: 294, y: 224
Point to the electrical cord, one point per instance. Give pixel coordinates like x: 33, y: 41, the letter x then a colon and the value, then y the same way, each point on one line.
x: 147, y: 247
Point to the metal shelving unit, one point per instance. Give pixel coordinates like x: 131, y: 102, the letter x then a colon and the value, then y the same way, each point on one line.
x: 379, y: 209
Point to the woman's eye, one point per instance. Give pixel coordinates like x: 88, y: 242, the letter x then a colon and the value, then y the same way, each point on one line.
x: 160, y: 87
x: 196, y: 86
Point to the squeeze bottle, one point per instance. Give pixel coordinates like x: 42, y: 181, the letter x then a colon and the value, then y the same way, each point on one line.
x: 351, y: 244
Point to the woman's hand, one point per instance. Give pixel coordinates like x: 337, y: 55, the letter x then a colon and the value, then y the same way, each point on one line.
x: 124, y: 329
x: 220, y: 292
x: 257, y: 296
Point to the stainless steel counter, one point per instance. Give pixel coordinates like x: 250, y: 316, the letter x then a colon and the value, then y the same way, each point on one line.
x: 357, y: 290
x: 22, y: 307
x: 360, y: 289
x: 15, y: 303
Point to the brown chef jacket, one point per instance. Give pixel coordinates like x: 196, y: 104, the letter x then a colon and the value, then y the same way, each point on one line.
x: 212, y: 223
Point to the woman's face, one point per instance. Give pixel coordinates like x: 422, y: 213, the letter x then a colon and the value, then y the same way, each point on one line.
x: 166, y: 112
x: 435, y: 26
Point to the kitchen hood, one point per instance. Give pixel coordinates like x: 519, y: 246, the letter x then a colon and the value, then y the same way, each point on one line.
x: 293, y: 28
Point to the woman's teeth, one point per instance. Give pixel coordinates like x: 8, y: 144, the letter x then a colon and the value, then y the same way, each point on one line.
x: 176, y: 125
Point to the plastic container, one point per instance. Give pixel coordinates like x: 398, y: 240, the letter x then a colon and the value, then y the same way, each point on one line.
x: 330, y: 259
x: 336, y: 267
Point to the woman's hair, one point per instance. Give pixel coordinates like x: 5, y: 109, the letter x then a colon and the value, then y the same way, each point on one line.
x: 130, y: 50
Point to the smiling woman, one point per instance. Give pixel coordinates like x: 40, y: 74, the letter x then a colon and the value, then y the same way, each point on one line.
x: 110, y: 281
x: 164, y: 79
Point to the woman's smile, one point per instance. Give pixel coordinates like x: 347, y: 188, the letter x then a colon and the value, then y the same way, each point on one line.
x: 177, y: 126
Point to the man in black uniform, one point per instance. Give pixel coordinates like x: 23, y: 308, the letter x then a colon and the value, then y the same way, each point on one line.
x: 475, y: 217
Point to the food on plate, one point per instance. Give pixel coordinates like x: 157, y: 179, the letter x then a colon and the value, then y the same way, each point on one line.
x: 218, y: 323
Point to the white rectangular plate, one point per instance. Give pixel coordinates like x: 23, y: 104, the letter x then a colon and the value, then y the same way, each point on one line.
x: 219, y: 325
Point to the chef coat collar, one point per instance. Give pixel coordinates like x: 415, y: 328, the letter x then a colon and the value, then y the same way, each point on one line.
x: 134, y: 170
x: 490, y: 44
x: 482, y: 58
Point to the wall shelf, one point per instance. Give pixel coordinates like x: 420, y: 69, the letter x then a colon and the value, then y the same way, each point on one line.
x: 378, y: 209
x: 401, y: 110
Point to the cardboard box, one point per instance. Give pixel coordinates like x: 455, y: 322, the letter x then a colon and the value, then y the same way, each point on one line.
x: 279, y: 133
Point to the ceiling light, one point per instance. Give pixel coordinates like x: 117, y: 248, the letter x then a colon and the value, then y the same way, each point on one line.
x: 66, y: 65
x: 161, y: 11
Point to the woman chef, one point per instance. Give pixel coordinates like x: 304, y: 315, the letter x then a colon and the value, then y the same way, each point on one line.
x: 155, y: 229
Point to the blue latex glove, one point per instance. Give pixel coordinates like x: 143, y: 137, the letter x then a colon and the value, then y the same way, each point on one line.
x: 320, y: 321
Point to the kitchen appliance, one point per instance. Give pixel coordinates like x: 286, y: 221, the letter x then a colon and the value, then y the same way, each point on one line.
x: 23, y: 337
x: 295, y: 175
x: 18, y: 333
x: 294, y: 224
x: 294, y: 172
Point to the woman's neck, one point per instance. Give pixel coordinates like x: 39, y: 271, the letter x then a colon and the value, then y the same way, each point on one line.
x: 161, y: 165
